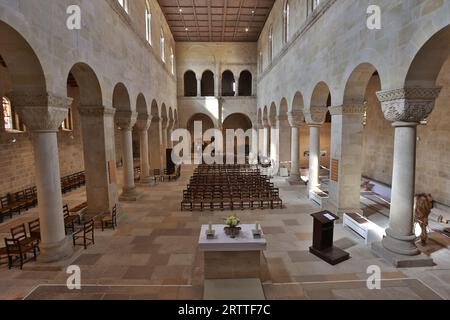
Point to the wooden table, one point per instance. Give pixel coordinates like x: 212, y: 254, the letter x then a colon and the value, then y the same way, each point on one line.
x: 227, y: 258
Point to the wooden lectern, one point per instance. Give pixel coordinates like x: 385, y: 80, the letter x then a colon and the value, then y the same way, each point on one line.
x: 323, y: 239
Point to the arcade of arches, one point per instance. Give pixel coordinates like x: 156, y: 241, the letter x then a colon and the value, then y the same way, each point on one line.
x: 358, y: 131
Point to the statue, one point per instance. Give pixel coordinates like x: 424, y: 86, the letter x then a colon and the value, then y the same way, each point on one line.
x: 422, y: 209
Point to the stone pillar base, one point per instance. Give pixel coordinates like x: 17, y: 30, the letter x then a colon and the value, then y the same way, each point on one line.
x: 401, y: 261
x: 52, y: 252
x: 130, y: 195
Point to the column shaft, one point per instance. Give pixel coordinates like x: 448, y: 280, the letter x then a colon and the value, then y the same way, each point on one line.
x: 294, y: 176
x: 54, y: 244
x: 145, y: 165
x: 400, y: 234
x: 314, y: 157
x: 129, y: 189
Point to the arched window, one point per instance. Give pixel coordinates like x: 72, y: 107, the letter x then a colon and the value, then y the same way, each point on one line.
x: 162, y: 44
x: 228, y: 84
x: 270, y: 43
x: 190, y: 84
x: 10, y: 117
x: 172, y: 61
x: 261, y: 61
x: 148, y: 23
x: 207, y: 84
x: 312, y: 5
x: 124, y: 4
x: 245, y: 84
x: 286, y: 22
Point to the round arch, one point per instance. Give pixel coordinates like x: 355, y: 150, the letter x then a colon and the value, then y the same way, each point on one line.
x: 207, y: 84
x: 190, y: 84
x: 27, y: 75
x: 121, y: 98
x: 245, y: 84
x: 228, y: 84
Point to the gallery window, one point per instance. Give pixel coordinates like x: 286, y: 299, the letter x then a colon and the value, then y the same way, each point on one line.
x: 270, y: 44
x: 172, y: 61
x: 312, y: 5
x: 261, y: 62
x: 162, y: 44
x: 10, y: 117
x: 286, y: 22
x: 124, y: 4
x: 190, y: 84
x: 245, y: 84
x: 148, y: 23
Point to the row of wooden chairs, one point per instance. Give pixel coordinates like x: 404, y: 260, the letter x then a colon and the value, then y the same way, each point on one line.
x: 220, y: 187
x: 23, y: 242
x: 231, y: 200
x: 73, y: 181
x: 16, y: 203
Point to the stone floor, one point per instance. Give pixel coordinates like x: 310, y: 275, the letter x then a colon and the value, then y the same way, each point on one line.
x: 153, y: 255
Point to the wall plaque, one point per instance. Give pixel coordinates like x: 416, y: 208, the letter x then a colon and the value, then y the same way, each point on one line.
x: 334, y: 175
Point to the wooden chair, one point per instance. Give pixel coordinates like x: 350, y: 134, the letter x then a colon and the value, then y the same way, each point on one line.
x: 13, y: 208
x: 86, y: 233
x: 34, y: 228
x: 16, y: 249
x: 4, y: 258
x: 31, y: 196
x: 19, y: 233
x: 69, y: 220
x: 109, y: 220
x: 5, y: 212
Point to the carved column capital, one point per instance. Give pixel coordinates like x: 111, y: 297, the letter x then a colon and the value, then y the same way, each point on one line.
x: 408, y: 104
x: 295, y: 118
x: 126, y: 119
x: 42, y: 113
x: 348, y: 109
x: 315, y: 115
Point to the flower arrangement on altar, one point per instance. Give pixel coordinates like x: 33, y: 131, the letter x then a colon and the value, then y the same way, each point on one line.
x: 232, y: 221
x: 232, y: 228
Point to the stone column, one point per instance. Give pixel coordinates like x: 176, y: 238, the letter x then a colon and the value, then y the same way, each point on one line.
x: 97, y: 128
x: 43, y: 115
x: 169, y: 134
x: 236, y: 93
x: 163, y: 142
x: 155, y: 143
x: 315, y: 117
x: 295, y: 120
x: 265, y: 143
x: 216, y: 86
x: 199, y: 87
x: 405, y: 107
x: 143, y: 124
x: 346, y: 158
x: 126, y: 120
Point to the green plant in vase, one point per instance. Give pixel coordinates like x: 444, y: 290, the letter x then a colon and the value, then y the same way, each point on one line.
x: 232, y: 228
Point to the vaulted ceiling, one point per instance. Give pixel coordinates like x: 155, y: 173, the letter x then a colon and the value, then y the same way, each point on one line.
x: 216, y: 20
